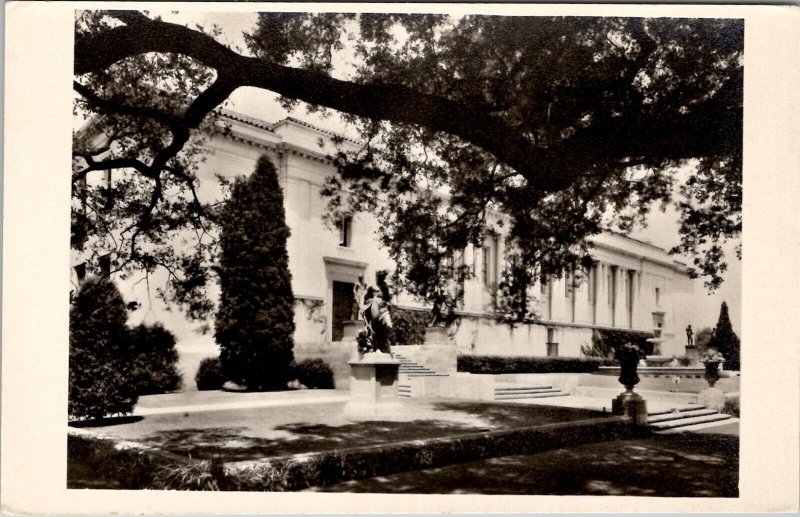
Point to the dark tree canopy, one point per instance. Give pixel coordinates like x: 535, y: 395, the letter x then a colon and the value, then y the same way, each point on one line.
x: 255, y: 320
x: 557, y: 127
x: 101, y: 378
x: 725, y: 340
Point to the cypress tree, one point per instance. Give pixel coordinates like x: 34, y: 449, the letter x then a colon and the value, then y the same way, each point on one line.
x: 255, y: 319
x: 100, y: 376
x: 725, y: 340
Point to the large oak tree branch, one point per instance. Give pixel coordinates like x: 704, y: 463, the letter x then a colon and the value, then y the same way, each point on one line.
x: 546, y: 168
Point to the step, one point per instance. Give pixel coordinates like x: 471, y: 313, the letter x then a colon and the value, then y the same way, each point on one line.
x: 524, y: 388
x: 666, y: 417
x: 432, y: 374
x: 683, y: 422
x: 691, y: 407
x: 698, y: 427
x: 526, y: 394
x: 531, y: 396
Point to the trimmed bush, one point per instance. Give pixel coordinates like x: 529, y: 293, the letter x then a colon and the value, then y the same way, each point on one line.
x: 725, y: 340
x: 499, y: 364
x: 731, y: 406
x: 409, y: 326
x: 155, y: 367
x: 314, y: 374
x: 209, y: 374
x: 255, y: 321
x: 101, y: 380
x: 605, y: 341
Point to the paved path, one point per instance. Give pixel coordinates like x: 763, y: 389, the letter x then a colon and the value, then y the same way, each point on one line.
x: 596, y: 403
x: 202, y: 401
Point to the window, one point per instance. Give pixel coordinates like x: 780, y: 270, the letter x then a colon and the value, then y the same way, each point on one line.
x: 486, y: 264
x: 658, y: 296
x: 570, y: 284
x: 543, y: 285
x: 80, y: 273
x: 345, y: 230
x: 105, y: 265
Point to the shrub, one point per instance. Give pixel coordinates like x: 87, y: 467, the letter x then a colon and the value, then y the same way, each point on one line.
x: 255, y: 321
x: 409, y: 326
x: 209, y: 374
x: 684, y: 361
x: 155, y: 365
x: 731, y: 406
x: 605, y: 341
x: 499, y: 364
x: 100, y: 355
x: 314, y: 374
x: 725, y: 340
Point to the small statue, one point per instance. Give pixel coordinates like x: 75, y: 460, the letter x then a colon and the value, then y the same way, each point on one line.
x: 689, y: 336
x: 358, y: 291
x: 375, y: 313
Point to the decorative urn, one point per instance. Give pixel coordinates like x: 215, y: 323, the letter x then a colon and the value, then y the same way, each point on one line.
x: 628, y: 356
x: 711, y: 360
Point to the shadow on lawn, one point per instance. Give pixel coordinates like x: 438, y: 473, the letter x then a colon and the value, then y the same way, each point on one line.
x: 662, y: 466
x: 243, y: 443
x: 507, y: 416
x: 106, y: 422
x: 232, y: 444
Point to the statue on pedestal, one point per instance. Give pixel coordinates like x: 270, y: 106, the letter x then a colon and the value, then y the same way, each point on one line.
x: 689, y: 336
x: 374, y: 310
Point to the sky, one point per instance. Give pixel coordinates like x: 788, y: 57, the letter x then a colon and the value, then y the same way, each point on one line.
x: 661, y: 228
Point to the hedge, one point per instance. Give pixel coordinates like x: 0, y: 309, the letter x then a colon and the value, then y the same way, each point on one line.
x: 501, y: 364
x: 408, y: 326
x: 209, y: 374
x: 155, y: 366
x: 314, y: 374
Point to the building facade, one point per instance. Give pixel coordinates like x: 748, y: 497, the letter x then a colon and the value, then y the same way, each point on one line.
x: 633, y: 285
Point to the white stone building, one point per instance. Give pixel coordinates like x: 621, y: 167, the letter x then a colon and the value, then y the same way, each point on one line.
x: 634, y: 285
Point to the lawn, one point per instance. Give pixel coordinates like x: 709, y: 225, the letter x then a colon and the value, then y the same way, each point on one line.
x: 681, y: 465
x: 247, y: 434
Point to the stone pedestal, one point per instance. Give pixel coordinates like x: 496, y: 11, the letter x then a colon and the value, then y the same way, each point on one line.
x: 373, y: 386
x: 712, y: 398
x: 693, y: 355
x: 436, y: 336
x: 631, y: 405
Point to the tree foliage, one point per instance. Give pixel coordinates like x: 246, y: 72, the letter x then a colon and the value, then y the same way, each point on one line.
x: 101, y: 381
x: 725, y: 340
x: 155, y: 363
x: 703, y: 338
x: 255, y: 320
x: 562, y: 127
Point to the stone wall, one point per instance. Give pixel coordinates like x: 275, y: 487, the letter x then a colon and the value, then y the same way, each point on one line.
x: 484, y: 336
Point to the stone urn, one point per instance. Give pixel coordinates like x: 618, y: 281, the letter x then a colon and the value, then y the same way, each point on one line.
x: 628, y: 356
x: 712, y: 397
x: 629, y: 403
x: 712, y: 371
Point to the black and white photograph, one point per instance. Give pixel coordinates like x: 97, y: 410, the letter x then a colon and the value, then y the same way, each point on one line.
x: 416, y: 251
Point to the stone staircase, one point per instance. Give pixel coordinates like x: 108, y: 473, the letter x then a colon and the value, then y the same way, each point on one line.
x: 687, y: 418
x: 410, y: 369
x: 520, y: 392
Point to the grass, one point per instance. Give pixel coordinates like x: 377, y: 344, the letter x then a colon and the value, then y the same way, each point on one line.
x: 289, y: 448
x: 682, y: 465
x: 239, y: 435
